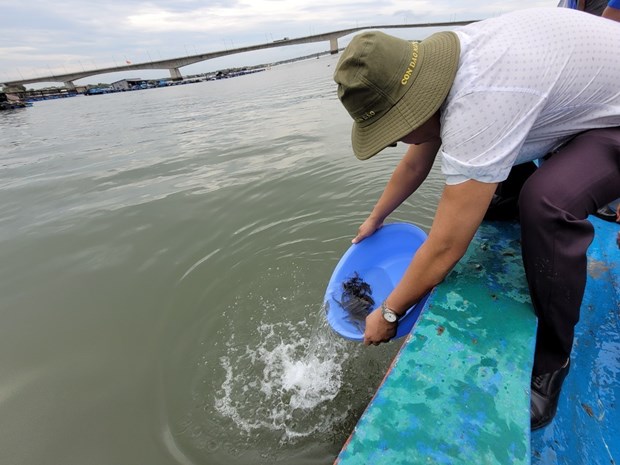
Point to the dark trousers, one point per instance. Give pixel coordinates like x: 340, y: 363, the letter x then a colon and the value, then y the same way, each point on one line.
x: 554, y: 204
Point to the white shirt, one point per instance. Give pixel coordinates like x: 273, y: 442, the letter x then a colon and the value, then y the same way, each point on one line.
x: 527, y: 81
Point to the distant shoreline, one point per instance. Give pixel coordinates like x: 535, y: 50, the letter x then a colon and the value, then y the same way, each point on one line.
x: 53, y: 93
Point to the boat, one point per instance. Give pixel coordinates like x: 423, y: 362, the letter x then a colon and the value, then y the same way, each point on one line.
x: 457, y: 391
x: 11, y: 101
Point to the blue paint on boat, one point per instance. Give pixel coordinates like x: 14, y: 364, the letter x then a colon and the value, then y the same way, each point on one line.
x: 586, y: 429
x: 458, y: 390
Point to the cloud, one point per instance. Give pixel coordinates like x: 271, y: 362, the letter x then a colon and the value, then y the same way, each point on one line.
x: 72, y: 34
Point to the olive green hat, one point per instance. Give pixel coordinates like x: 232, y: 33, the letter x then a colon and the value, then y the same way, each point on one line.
x: 391, y: 86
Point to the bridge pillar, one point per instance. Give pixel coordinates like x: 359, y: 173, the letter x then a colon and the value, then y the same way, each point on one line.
x: 69, y: 85
x: 175, y: 74
x: 333, y: 45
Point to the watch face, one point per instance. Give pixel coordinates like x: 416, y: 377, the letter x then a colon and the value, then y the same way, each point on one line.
x: 389, y: 316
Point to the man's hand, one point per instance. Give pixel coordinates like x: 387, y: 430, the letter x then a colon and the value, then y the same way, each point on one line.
x: 377, y: 329
x: 367, y: 228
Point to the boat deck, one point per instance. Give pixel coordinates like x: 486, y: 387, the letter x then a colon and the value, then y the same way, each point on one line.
x: 587, y: 427
x: 458, y: 391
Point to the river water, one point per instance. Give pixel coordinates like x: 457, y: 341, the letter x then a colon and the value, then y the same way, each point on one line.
x: 163, y: 259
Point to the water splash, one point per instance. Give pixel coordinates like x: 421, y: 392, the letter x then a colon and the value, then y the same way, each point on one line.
x: 287, y: 383
x: 269, y: 385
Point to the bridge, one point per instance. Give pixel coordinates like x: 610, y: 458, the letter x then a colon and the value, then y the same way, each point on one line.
x: 174, y: 64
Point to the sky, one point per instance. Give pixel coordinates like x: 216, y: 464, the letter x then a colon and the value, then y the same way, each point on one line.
x: 43, y: 37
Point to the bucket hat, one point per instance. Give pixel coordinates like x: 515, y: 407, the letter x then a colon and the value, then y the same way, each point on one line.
x: 391, y: 86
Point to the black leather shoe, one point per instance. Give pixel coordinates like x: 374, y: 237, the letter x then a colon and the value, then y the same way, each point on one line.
x: 545, y: 393
x: 606, y: 213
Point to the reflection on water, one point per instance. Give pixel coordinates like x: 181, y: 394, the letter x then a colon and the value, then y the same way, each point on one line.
x: 164, y: 256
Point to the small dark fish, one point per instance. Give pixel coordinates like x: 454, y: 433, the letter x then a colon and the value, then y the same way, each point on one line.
x: 357, y: 300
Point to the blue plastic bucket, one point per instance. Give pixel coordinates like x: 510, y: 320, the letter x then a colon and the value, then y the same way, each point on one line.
x: 380, y: 260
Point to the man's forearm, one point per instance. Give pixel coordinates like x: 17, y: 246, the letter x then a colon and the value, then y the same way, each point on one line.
x: 459, y: 214
x: 428, y: 268
x: 407, y: 177
x: 612, y: 13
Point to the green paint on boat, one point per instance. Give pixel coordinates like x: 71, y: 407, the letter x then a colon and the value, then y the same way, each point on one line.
x: 458, y: 391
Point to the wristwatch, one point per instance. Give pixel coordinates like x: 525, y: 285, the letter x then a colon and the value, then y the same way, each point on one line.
x: 388, y: 315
